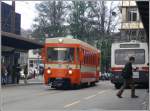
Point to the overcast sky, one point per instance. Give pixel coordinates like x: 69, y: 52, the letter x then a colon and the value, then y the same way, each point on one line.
x: 28, y: 12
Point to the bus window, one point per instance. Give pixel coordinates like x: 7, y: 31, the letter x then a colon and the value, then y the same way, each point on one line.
x: 60, y: 54
x: 122, y: 56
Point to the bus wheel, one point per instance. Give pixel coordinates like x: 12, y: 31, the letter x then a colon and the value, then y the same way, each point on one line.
x: 117, y: 86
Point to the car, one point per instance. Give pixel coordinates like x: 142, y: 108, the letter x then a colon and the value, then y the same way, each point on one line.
x: 105, y: 76
x: 22, y: 76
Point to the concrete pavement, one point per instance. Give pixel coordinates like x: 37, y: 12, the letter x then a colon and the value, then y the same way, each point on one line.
x: 100, y: 97
x: 33, y: 81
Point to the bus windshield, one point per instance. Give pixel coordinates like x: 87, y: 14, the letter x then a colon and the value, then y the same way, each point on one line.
x: 57, y: 54
x: 122, y: 56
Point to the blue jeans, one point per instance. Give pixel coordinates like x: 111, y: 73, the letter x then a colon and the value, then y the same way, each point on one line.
x: 4, y: 79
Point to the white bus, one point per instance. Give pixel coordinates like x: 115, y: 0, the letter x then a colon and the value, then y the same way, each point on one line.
x: 120, y: 53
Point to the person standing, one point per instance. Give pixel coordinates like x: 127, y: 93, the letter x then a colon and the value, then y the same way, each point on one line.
x: 14, y: 74
x: 127, y: 78
x: 18, y: 69
x: 4, y: 74
x: 25, y: 73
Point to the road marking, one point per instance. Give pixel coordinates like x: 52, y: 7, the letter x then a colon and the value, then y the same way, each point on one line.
x: 68, y: 105
x: 89, y: 97
x: 43, y: 93
x: 101, y: 92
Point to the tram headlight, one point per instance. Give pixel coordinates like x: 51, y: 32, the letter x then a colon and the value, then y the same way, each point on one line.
x: 49, y: 71
x: 70, y: 71
x: 60, y: 40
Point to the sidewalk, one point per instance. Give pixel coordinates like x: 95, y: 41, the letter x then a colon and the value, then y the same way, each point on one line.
x: 146, y: 103
x: 33, y: 81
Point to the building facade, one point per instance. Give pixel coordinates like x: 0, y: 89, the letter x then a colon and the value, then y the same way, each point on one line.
x: 131, y: 26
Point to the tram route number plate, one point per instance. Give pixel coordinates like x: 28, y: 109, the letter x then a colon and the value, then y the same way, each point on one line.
x: 135, y: 74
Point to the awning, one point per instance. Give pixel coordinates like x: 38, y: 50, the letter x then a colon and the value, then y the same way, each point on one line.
x: 143, y: 7
x: 19, y: 42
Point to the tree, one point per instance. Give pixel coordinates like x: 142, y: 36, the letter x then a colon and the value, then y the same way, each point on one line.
x: 78, y: 20
x: 106, y: 24
x: 50, y: 19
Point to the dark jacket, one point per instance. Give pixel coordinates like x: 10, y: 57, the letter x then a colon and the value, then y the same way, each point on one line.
x: 127, y: 71
x: 26, y: 70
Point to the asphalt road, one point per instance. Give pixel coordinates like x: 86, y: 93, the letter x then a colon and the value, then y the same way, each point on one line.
x: 99, y: 97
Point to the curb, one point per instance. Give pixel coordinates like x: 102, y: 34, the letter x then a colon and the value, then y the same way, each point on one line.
x: 21, y: 84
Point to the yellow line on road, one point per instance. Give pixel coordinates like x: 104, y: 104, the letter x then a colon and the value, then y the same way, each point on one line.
x: 71, y: 104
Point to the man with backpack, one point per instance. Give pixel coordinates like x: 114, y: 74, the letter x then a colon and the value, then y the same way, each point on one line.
x: 127, y: 78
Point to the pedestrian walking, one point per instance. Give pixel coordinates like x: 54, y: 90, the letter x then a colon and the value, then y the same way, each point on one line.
x: 127, y: 78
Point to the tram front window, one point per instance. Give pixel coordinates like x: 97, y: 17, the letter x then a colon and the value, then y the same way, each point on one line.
x: 122, y: 56
x: 60, y: 54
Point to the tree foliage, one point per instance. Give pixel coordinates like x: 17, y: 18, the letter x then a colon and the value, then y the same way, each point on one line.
x: 50, y: 20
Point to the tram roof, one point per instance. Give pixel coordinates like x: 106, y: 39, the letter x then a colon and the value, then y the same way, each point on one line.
x: 70, y: 41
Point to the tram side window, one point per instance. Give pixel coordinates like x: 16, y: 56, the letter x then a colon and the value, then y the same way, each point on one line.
x: 87, y: 58
x: 84, y: 56
x: 92, y: 59
x: 77, y: 55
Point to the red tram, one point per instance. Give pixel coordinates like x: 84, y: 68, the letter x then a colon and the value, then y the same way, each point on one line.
x: 70, y: 62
